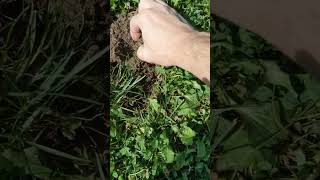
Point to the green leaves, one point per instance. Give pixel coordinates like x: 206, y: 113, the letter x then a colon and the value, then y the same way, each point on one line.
x: 312, y: 88
x: 154, y: 104
x: 201, y: 150
x: 35, y: 166
x: 160, y: 139
x: 26, y: 162
x: 265, y: 109
x: 186, y: 135
x: 263, y: 122
x: 300, y: 157
x: 275, y: 76
x: 169, y: 155
x: 239, y: 159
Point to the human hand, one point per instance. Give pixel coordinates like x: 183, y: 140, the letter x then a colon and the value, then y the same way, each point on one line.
x: 165, y: 33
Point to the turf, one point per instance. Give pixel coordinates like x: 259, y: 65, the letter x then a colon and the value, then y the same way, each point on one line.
x: 52, y: 91
x: 265, y: 109
x: 161, y: 133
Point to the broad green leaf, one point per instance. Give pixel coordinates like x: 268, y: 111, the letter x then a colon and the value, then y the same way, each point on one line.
x: 154, y: 104
x: 125, y: 151
x: 187, y: 135
x: 201, y: 150
x: 263, y: 122
x: 17, y: 158
x: 186, y: 112
x: 312, y: 88
x: 237, y: 139
x: 248, y: 67
x: 35, y: 166
x: 169, y: 155
x: 300, y: 157
x: 263, y: 94
x: 275, y: 76
x: 239, y: 158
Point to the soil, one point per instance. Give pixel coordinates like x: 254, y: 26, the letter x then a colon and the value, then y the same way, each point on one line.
x: 124, y: 50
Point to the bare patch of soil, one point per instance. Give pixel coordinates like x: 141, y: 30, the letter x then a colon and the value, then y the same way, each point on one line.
x: 124, y: 50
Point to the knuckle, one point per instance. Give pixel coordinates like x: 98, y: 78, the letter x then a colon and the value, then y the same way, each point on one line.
x: 146, y: 12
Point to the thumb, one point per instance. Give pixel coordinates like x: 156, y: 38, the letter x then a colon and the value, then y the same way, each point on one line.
x: 143, y: 53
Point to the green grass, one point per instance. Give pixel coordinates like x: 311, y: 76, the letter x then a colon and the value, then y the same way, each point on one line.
x: 161, y: 134
x: 266, y: 110
x: 45, y: 116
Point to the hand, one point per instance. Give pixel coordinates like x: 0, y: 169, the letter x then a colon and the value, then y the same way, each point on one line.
x: 169, y: 40
x: 163, y: 30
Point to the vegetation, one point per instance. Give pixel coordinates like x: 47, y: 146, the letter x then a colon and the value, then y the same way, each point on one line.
x: 160, y: 132
x: 266, y: 110
x: 52, y: 92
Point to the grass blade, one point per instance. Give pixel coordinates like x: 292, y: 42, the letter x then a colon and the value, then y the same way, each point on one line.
x: 57, y: 153
x: 100, y: 167
x: 84, y: 63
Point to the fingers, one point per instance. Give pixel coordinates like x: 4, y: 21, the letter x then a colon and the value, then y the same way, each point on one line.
x: 143, y: 53
x: 135, y: 28
x: 147, y: 4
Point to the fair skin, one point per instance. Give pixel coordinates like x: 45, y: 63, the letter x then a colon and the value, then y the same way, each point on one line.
x: 168, y: 39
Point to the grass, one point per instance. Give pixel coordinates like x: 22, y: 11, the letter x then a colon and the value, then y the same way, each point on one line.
x: 264, y: 117
x: 268, y: 105
x: 161, y: 133
x: 47, y: 129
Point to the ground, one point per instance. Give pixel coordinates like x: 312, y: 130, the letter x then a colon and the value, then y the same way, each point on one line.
x: 52, y: 89
x: 159, y: 132
x: 264, y: 113
x: 265, y: 109
x: 124, y: 50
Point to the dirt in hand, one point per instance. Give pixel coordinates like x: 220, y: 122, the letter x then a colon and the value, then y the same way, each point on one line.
x: 124, y: 50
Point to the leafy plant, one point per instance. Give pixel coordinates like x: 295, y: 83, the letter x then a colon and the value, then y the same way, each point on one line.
x: 268, y: 106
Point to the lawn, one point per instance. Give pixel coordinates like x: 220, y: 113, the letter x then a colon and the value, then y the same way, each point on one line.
x: 266, y: 109
x: 52, y: 60
x: 161, y: 132
x: 262, y: 123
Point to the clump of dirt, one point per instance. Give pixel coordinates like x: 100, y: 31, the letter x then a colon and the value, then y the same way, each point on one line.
x: 124, y: 50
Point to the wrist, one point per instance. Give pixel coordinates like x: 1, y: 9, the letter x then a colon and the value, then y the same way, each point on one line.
x: 195, y: 55
x: 192, y: 48
x: 183, y: 53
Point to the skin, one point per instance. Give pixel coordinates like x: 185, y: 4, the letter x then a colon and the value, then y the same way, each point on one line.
x: 292, y: 26
x: 168, y: 39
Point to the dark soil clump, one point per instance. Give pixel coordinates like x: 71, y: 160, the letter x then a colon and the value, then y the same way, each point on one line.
x: 124, y: 50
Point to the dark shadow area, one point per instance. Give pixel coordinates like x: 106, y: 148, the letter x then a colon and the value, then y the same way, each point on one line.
x: 54, y: 88
x: 261, y: 104
x: 308, y: 61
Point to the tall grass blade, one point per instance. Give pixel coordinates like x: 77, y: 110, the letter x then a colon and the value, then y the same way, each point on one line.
x: 57, y: 153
